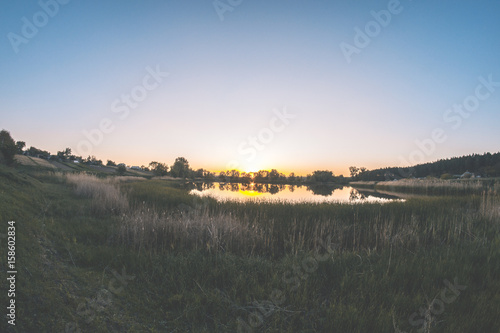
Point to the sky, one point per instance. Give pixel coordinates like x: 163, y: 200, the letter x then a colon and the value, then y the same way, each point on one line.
x: 293, y: 85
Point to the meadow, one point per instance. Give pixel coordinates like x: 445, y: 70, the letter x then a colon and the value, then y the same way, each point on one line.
x: 99, y: 253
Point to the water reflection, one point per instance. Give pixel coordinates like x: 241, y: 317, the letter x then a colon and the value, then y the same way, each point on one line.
x: 308, y: 193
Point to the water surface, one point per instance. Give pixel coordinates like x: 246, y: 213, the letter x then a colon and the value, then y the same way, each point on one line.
x: 290, y: 193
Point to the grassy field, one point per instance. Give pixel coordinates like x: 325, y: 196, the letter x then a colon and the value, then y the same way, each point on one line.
x: 97, y: 253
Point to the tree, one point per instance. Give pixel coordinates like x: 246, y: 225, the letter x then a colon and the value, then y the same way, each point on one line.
x: 20, y: 146
x: 322, y: 176
x: 354, y: 171
x: 92, y: 160
x: 180, y: 168
x: 35, y: 152
x: 8, y: 148
x: 65, y: 154
x: 110, y: 163
x: 199, y: 173
x: 159, y: 169
x: 121, y: 169
x: 273, y: 175
x: 234, y: 174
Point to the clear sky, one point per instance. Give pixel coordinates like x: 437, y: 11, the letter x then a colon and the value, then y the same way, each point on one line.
x: 292, y: 85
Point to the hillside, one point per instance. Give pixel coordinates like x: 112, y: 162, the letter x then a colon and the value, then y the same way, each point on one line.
x: 485, y: 165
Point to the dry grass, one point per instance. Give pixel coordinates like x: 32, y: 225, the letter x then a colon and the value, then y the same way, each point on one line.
x: 419, y: 223
x: 33, y: 161
x: 490, y: 207
x: 105, y: 194
x: 127, y: 179
x: 149, y: 230
x: 435, y: 186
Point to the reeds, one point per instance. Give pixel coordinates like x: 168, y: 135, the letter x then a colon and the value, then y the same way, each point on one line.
x: 105, y: 194
x: 435, y: 186
x: 146, y: 229
x: 279, y: 228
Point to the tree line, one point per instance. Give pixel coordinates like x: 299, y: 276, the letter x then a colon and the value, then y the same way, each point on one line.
x: 484, y: 165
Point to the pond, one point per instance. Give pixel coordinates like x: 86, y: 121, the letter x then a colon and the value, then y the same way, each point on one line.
x: 289, y: 193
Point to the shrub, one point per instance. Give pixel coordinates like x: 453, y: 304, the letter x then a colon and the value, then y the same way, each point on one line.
x: 8, y: 148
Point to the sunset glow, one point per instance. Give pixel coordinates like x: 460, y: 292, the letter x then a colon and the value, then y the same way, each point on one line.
x: 139, y: 82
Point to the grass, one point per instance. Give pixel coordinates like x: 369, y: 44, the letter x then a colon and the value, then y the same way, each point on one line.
x: 106, y: 196
x: 434, y: 186
x: 202, y: 266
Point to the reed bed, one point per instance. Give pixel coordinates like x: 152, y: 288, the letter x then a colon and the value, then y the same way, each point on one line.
x: 277, y: 229
x: 437, y: 186
x: 149, y: 230
x: 105, y: 193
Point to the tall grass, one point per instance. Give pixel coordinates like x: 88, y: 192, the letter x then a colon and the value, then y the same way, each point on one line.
x: 436, y: 186
x: 280, y: 228
x: 105, y: 194
x: 155, y: 232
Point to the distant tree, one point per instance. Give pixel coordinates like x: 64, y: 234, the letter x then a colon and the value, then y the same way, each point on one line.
x: 60, y: 155
x: 245, y: 177
x: 199, y: 173
x: 261, y: 176
x: 64, y: 155
x: 234, y: 174
x: 110, y: 163
x: 208, y: 175
x: 8, y: 148
x: 273, y: 175
x: 180, y: 169
x: 159, y: 169
x: 292, y: 177
x: 20, y: 146
x: 35, y: 152
x: 92, y: 160
x: 121, y: 169
x: 354, y: 171
x: 322, y: 176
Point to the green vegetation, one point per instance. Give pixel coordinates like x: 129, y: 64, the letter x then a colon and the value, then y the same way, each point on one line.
x: 486, y: 165
x: 101, y: 253
x: 434, y: 186
x: 8, y: 148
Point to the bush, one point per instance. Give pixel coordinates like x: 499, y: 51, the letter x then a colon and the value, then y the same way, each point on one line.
x: 121, y: 169
x: 8, y: 148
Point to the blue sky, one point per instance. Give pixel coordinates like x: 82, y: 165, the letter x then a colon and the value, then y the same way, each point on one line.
x: 227, y: 79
